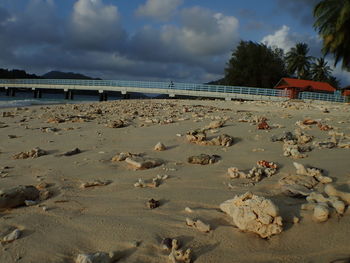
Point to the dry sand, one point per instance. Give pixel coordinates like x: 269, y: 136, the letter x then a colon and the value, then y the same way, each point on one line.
x: 115, y: 217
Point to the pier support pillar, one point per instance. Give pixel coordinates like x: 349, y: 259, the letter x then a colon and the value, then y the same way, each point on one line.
x: 37, y: 93
x: 7, y: 91
x: 126, y: 96
x: 12, y: 92
x: 68, y: 94
x: 65, y: 91
x: 102, y: 95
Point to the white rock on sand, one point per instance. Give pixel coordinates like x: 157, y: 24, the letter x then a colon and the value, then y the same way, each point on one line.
x: 255, y: 214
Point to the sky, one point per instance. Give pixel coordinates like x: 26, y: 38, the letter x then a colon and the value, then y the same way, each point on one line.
x: 178, y: 40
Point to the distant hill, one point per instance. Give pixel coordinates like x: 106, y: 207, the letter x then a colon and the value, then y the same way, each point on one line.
x: 66, y: 75
x: 16, y: 74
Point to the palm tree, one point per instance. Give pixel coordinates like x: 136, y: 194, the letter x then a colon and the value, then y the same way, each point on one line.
x: 333, y: 25
x: 298, y: 62
x: 320, y: 71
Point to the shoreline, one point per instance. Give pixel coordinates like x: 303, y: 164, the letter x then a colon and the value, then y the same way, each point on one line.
x: 115, y: 217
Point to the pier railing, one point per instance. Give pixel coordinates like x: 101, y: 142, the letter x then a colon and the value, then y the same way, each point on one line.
x: 321, y: 96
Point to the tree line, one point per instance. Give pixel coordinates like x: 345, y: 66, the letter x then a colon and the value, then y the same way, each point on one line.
x: 257, y: 65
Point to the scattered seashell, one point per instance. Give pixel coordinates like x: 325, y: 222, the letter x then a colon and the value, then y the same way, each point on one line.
x: 321, y: 213
x: 14, y: 235
x: 159, y: 147
x: 296, y: 220
x: 189, y: 210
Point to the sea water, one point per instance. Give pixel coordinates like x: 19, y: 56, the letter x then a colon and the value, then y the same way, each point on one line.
x: 25, y: 99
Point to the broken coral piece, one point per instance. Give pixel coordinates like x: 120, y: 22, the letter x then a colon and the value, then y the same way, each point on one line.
x: 95, y: 183
x: 215, y: 124
x: 143, y: 163
x: 178, y: 255
x: 266, y: 164
x: 255, y: 214
x: 332, y: 191
x: 203, y: 159
x: 263, y: 125
x: 116, y: 124
x: 34, y: 153
x: 123, y: 155
x: 99, y: 257
x: 198, y: 224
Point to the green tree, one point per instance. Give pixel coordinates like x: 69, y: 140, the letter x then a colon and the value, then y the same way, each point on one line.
x: 333, y: 25
x: 255, y: 65
x: 320, y: 71
x: 298, y: 61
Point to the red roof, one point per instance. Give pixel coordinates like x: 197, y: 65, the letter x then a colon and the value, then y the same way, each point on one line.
x: 304, y: 85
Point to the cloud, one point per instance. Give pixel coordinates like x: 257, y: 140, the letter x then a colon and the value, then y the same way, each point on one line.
x: 281, y: 39
x: 160, y: 10
x: 202, y: 41
x: 90, y: 39
x: 285, y: 39
x: 96, y: 26
x: 201, y: 33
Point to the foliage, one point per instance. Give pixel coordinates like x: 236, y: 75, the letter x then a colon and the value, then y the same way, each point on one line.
x: 255, y: 65
x: 298, y: 62
x: 16, y: 74
x: 320, y: 71
x: 333, y: 24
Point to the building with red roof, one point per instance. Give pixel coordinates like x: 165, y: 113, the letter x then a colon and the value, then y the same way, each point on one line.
x: 294, y: 86
x: 346, y: 91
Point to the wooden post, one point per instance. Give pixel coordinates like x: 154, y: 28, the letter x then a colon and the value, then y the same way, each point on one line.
x: 105, y: 96
x: 100, y: 96
x: 39, y: 93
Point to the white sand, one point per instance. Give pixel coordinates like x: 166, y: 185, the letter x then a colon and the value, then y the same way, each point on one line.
x: 113, y: 217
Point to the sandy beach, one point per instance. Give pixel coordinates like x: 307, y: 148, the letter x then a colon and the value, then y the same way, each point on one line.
x: 75, y: 218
